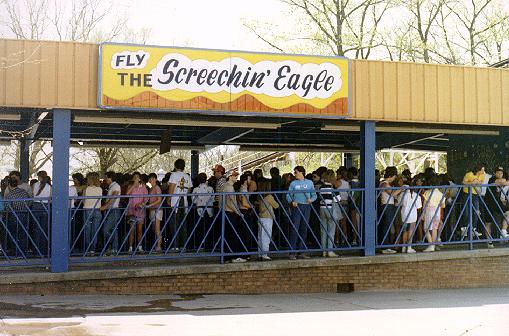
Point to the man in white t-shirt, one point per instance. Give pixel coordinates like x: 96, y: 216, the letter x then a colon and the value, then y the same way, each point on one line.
x: 179, y: 184
x: 112, y: 212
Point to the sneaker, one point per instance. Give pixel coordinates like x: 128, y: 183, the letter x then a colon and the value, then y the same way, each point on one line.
x: 239, y: 260
x: 437, y: 247
x: 410, y: 250
x: 140, y: 249
x: 430, y: 248
x: 324, y: 254
x: 389, y: 251
x: 114, y: 252
x: 92, y: 253
x: 292, y: 257
x: 303, y: 256
x: 477, y: 234
x: 265, y: 258
x: 463, y: 231
x: 403, y: 249
x: 490, y: 245
x: 130, y: 249
x: 504, y: 233
x: 332, y: 255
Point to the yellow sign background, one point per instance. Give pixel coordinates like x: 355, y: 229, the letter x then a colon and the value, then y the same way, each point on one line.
x: 110, y: 84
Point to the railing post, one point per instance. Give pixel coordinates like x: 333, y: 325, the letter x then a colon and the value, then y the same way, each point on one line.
x: 223, y: 217
x: 470, y: 218
x: 60, y: 194
x: 368, y: 152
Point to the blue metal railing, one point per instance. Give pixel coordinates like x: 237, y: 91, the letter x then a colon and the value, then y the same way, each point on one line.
x: 215, y: 228
x: 226, y: 226
x: 465, y: 214
x: 24, y: 231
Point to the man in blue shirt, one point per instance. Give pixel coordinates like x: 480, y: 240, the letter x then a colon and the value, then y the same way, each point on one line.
x: 300, y: 201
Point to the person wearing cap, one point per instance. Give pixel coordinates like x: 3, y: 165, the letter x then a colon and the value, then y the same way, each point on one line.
x: 300, y: 201
x: 217, y: 182
x: 496, y: 202
x: 232, y: 234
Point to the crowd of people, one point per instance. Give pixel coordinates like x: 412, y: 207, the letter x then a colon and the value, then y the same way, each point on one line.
x: 297, y: 212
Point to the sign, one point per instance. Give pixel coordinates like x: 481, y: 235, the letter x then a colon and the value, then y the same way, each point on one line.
x: 180, y: 79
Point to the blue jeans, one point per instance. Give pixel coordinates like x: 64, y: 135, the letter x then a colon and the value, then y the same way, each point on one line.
x: 40, y: 227
x: 92, y: 219
x: 388, y: 220
x: 110, y: 228
x: 299, y: 226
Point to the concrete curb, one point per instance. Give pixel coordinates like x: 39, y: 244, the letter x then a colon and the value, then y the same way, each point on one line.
x: 158, y: 270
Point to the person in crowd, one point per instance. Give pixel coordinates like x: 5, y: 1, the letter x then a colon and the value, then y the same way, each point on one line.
x: 266, y: 206
x: 217, y: 182
x: 388, y: 209
x: 204, y: 209
x: 341, y: 209
x: 179, y: 184
x: 433, y: 201
x: 328, y: 224
x: 410, y: 202
x: 164, y: 183
x: 80, y: 182
x: 41, y: 211
x: 258, y: 176
x: 232, y: 235
x: 355, y: 203
x: 22, y: 185
x: 301, y: 196
x: 92, y: 215
x: 275, y: 179
x: 136, y: 210
x: 407, y: 176
x: 473, y: 178
x: 155, y: 211
x: 17, y: 203
x: 498, y: 207
x: 112, y: 212
x: 246, y: 225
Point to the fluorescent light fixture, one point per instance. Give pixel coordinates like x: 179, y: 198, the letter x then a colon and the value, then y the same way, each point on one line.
x: 94, y: 119
x: 10, y: 116
x: 420, y: 130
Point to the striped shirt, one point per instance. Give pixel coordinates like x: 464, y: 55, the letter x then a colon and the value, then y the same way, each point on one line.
x: 327, y: 196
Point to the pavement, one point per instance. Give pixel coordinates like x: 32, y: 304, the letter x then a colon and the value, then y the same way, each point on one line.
x: 461, y: 312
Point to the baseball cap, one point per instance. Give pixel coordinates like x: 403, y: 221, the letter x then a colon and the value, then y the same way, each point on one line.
x: 218, y: 167
x: 499, y: 169
x: 232, y: 173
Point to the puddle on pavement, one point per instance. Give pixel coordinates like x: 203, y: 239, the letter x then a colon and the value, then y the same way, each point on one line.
x: 60, y: 309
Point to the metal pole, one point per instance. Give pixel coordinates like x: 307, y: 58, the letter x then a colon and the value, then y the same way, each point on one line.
x: 60, y: 198
x: 368, y: 152
x: 24, y: 160
x: 470, y: 218
x: 223, y: 215
x: 195, y: 163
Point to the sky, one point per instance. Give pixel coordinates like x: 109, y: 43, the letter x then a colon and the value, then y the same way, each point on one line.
x: 201, y: 23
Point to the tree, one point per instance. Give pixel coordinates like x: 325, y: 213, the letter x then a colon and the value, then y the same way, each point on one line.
x: 336, y: 27
x: 75, y: 20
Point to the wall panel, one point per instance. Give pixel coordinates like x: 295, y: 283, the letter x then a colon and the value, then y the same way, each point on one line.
x: 64, y: 74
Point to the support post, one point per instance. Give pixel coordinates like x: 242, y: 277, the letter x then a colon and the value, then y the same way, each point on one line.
x: 348, y: 160
x: 60, y: 198
x: 24, y: 160
x: 368, y: 152
x: 195, y: 163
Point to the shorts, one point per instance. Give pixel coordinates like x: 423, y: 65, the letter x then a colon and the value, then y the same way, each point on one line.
x: 156, y: 215
x: 431, y: 218
x: 132, y: 220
